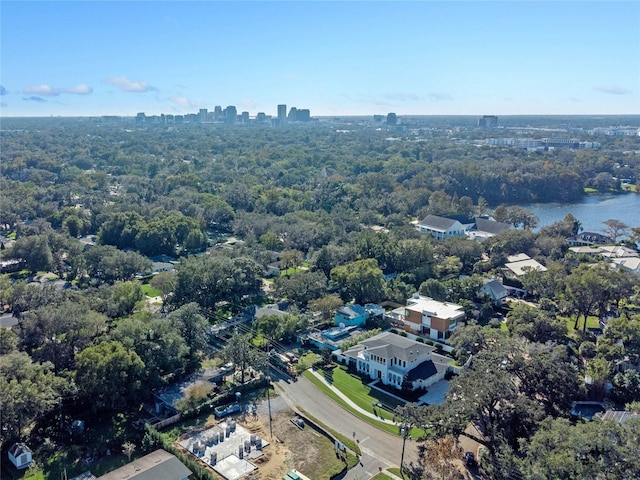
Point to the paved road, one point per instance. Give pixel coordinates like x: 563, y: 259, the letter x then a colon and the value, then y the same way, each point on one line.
x: 379, y: 448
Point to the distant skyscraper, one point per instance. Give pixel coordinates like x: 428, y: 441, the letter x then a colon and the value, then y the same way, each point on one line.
x: 231, y: 115
x: 282, y: 114
x: 293, y: 115
x: 304, y: 115
x: 261, y: 117
x: 488, y: 121
x: 217, y: 113
x: 392, y: 119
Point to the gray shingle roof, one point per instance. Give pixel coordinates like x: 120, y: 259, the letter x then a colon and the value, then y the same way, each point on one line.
x: 158, y: 465
x: 491, y: 226
x: 390, y: 345
x: 437, y: 223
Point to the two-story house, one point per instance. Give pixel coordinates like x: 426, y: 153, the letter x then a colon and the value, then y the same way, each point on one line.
x: 351, y: 315
x: 443, y: 227
x: 428, y: 317
x: 396, y: 361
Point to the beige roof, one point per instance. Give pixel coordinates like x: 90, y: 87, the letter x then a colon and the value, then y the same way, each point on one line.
x: 518, y: 258
x: 586, y: 250
x: 630, y: 263
x: 618, y: 251
x: 523, y: 266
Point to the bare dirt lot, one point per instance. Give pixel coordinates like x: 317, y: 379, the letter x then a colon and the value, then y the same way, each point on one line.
x: 306, y: 450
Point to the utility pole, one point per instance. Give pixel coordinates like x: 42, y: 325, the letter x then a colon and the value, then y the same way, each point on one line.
x: 404, y: 431
x: 269, y: 406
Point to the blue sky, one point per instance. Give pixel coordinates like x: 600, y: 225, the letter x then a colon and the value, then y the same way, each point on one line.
x: 335, y: 58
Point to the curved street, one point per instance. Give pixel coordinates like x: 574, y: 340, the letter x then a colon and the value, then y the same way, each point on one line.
x: 379, y: 448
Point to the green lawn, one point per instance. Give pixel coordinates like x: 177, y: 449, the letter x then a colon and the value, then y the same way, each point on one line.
x: 149, y: 291
x: 395, y: 471
x: 381, y: 425
x: 361, y: 394
x: 592, y: 322
x: 381, y: 476
x: 346, y: 441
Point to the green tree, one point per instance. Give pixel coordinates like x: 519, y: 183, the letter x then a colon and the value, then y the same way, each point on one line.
x: 165, y: 282
x: 240, y: 351
x: 35, y: 251
x: 158, y: 343
x: 194, y: 328
x: 108, y: 264
x: 302, y: 287
x: 120, y: 229
x: 594, y: 449
x: 27, y: 391
x: 327, y: 305
x: 535, y: 325
x: 53, y: 333
x: 110, y: 375
x: 208, y: 280
x: 360, y: 281
x: 271, y: 241
x: 73, y: 225
x: 586, y: 288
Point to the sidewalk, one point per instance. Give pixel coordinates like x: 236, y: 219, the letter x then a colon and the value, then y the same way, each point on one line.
x: 349, y: 402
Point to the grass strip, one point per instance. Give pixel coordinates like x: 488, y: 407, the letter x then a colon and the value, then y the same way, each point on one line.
x: 393, y: 429
x: 350, y: 444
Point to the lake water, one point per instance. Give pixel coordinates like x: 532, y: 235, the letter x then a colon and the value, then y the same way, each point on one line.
x: 592, y: 211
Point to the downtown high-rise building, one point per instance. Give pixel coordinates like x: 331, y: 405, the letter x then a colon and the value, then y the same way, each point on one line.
x: 282, y: 114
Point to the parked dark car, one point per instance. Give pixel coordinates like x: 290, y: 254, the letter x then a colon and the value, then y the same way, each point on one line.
x: 469, y: 459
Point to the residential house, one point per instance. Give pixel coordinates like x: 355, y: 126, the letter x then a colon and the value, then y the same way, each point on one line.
x: 494, y: 289
x: 396, y: 361
x: 256, y: 312
x: 428, y: 317
x: 591, y: 250
x: 617, y: 251
x: 351, y: 315
x: 12, y: 265
x: 443, y: 227
x: 158, y: 465
x: 486, y: 227
x: 522, y: 263
x: 620, y: 416
x: 631, y: 264
x: 586, y: 239
x: 331, y: 338
x: 20, y: 455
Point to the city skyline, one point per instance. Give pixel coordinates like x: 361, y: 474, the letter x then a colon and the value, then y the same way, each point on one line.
x: 334, y: 58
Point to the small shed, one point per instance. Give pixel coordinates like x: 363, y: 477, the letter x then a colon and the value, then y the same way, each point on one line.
x: 20, y: 455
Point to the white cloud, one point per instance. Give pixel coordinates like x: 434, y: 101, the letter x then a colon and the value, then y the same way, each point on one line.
x: 248, y: 104
x: 80, y: 89
x: 126, y: 85
x: 402, y: 97
x: 614, y: 90
x: 49, y: 91
x: 182, y: 102
x: 440, y: 97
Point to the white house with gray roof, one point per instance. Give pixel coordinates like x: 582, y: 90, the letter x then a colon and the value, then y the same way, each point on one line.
x: 393, y: 359
x: 443, y: 227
